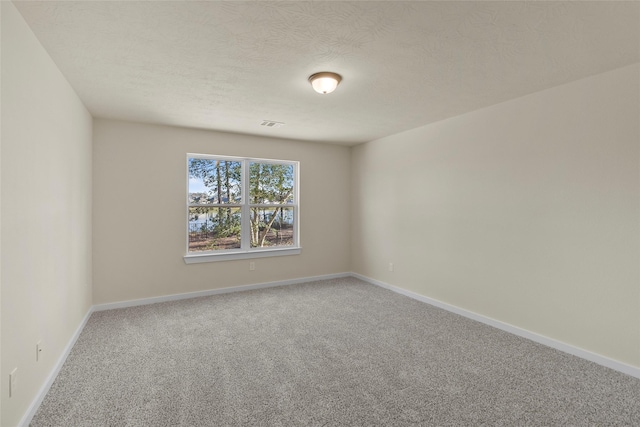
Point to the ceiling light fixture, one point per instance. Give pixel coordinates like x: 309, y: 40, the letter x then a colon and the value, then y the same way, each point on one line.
x: 325, y: 82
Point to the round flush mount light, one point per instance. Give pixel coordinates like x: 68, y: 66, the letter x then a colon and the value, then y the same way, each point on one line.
x: 325, y: 82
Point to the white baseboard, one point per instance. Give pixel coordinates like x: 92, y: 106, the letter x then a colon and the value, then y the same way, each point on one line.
x: 33, y: 408
x: 541, y: 339
x: 175, y: 297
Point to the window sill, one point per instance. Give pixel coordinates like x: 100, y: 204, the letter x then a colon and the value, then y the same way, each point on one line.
x: 228, y: 256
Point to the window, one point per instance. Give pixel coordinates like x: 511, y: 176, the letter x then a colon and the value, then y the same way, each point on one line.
x: 241, y: 208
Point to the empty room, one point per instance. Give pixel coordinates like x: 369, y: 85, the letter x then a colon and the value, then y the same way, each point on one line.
x: 319, y: 213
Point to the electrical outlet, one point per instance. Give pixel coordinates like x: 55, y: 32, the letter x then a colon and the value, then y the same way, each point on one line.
x: 252, y: 266
x: 390, y: 266
x: 38, y: 351
x: 13, y: 382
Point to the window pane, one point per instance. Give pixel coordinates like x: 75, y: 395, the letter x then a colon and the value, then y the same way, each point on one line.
x: 214, y: 181
x: 272, y: 226
x: 213, y: 229
x: 270, y: 183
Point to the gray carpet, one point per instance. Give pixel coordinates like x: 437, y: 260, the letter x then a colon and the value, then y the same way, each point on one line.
x: 328, y: 353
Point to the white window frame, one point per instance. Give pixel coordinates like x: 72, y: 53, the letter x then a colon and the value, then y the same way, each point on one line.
x: 246, y: 251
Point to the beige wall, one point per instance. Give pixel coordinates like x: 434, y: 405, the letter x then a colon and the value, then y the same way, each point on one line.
x: 0, y: 212
x: 526, y: 212
x: 46, y: 212
x: 140, y: 215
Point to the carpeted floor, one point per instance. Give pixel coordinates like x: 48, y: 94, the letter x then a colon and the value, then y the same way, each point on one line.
x: 329, y: 353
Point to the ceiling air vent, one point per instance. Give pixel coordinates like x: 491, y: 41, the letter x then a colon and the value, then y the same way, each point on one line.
x: 271, y: 124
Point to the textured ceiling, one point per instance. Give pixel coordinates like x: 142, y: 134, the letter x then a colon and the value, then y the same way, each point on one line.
x: 230, y: 65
